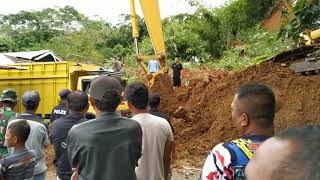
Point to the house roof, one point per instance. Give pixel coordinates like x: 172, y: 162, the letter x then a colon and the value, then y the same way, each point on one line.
x: 28, y: 56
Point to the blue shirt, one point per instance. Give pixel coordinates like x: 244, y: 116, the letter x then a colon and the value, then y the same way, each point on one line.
x: 228, y: 160
x: 153, y: 66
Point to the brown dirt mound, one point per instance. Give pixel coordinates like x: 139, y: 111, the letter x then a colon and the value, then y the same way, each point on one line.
x: 162, y: 85
x: 273, y: 22
x: 200, y: 112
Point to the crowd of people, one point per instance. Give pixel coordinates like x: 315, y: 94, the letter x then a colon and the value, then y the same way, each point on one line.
x: 142, y: 147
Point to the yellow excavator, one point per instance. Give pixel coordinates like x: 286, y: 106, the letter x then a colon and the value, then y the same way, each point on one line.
x: 151, y: 13
x: 304, y: 59
x: 310, y: 36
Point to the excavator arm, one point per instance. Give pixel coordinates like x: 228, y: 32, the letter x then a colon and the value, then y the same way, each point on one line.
x: 151, y: 13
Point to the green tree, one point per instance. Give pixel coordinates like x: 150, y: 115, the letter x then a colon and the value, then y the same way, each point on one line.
x: 29, y: 28
x: 305, y: 16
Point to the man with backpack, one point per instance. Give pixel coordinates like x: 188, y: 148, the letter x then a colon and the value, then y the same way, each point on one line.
x: 77, y: 102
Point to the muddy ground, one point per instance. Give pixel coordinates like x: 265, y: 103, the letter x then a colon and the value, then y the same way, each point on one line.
x: 177, y: 175
x: 200, y: 109
x: 182, y: 173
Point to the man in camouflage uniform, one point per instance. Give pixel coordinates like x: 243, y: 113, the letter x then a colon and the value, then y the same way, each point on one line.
x: 8, y: 100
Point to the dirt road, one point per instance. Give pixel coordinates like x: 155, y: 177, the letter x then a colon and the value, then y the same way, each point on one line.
x: 190, y: 175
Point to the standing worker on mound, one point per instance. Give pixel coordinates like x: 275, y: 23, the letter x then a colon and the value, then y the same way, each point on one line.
x: 176, y: 67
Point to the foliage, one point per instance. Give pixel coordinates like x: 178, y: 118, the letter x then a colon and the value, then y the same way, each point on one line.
x: 253, y: 46
x: 181, y: 40
x: 225, y: 37
x: 305, y: 16
x: 199, y: 36
x: 208, y: 26
x: 30, y: 28
x: 218, y: 27
x: 240, y: 15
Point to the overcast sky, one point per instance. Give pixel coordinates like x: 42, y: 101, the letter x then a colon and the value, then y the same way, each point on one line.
x: 106, y: 9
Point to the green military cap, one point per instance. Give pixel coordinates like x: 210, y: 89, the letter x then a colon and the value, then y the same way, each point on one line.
x: 9, y: 95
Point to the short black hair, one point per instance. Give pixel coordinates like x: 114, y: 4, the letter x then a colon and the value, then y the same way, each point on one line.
x: 154, y: 101
x: 77, y: 101
x: 31, y: 106
x: 137, y: 94
x: 21, y: 129
x: 109, y: 102
x: 260, y: 102
x: 303, y: 162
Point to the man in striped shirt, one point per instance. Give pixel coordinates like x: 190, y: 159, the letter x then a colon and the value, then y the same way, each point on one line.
x: 20, y: 165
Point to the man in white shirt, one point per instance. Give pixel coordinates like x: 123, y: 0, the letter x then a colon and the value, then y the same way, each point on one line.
x: 157, y: 139
x: 153, y: 66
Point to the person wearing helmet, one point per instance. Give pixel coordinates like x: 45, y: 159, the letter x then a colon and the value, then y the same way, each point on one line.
x: 176, y: 74
x: 8, y: 100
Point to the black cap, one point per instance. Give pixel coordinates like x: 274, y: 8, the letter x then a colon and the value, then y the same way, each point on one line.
x: 30, y: 97
x: 99, y: 86
x: 64, y: 93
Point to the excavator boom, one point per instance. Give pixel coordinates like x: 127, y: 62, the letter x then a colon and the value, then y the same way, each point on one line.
x: 151, y: 13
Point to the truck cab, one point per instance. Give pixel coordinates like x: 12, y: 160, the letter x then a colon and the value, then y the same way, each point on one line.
x: 84, y: 85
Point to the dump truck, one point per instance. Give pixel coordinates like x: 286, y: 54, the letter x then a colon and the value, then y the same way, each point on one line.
x: 48, y: 78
